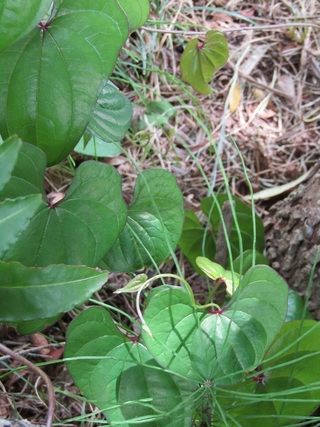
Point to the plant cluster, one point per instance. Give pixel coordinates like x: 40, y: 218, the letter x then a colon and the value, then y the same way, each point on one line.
x: 229, y: 364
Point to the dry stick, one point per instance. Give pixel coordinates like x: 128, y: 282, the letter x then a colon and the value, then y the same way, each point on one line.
x: 38, y: 371
x: 228, y: 30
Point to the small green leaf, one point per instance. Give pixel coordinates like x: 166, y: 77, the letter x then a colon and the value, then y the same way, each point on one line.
x: 217, y: 272
x: 154, y: 224
x: 137, y: 12
x: 247, y: 260
x: 18, y: 18
x: 137, y: 283
x: 157, y: 114
x: 200, y: 60
x: 34, y: 293
x: 111, y: 116
x: 95, y: 147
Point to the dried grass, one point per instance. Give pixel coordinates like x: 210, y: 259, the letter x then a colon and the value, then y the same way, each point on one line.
x: 276, y: 127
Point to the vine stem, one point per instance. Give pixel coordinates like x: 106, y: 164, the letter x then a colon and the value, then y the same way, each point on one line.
x: 229, y: 30
x: 51, y: 398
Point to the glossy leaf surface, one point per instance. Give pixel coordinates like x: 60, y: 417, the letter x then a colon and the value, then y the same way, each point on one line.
x: 200, y: 60
x: 33, y: 293
x: 173, y: 321
x: 112, y: 114
x: 22, y: 169
x: 79, y: 229
x: 154, y: 223
x: 50, y: 80
x: 18, y: 17
x: 96, y: 347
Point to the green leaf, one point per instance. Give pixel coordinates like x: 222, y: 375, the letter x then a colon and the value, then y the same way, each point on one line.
x: 95, y: 147
x: 200, y: 60
x: 23, y: 290
x: 137, y: 283
x: 15, y: 216
x: 154, y: 224
x: 296, y: 307
x: 76, y: 51
x: 157, y: 114
x: 137, y: 12
x: 135, y: 388
x: 18, y: 18
x: 28, y: 327
x: 173, y: 321
x: 245, y: 222
x: 286, y: 388
x: 247, y: 260
x: 195, y: 241
x: 112, y: 114
x: 217, y: 272
x: 78, y: 230
x: 233, y: 340
x: 22, y: 169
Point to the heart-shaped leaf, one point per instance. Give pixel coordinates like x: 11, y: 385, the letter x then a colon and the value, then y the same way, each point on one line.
x: 137, y: 12
x: 135, y: 389
x: 234, y: 339
x: 95, y: 147
x: 200, y: 60
x: 172, y: 321
x: 112, y: 114
x: 35, y: 293
x: 22, y: 169
x: 80, y: 229
x: 18, y: 17
x: 50, y: 80
x: 154, y: 224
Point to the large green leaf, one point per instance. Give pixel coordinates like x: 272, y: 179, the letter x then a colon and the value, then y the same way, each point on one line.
x: 137, y: 12
x: 222, y: 345
x: 172, y: 321
x: 134, y: 388
x: 112, y: 114
x: 35, y: 293
x: 22, y: 169
x: 231, y: 341
x: 286, y: 389
x: 200, y: 60
x: 78, y: 230
x: 18, y: 17
x: 50, y: 80
x: 154, y: 223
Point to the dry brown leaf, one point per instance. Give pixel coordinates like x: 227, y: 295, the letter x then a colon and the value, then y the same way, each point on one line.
x: 38, y: 340
x: 235, y: 98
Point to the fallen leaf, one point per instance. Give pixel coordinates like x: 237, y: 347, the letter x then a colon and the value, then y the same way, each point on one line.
x: 235, y: 98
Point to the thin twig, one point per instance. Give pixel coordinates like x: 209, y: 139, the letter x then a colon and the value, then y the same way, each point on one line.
x: 229, y: 30
x: 38, y: 371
